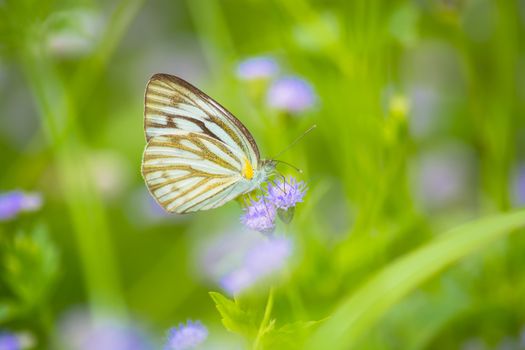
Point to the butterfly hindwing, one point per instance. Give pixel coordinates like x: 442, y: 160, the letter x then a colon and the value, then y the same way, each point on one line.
x: 184, y: 175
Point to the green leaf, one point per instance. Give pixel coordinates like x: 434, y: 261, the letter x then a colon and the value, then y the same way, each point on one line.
x: 290, y: 336
x: 234, y: 318
x: 403, y: 24
x: 362, y: 309
x: 414, y: 322
x: 9, y: 311
x: 286, y: 215
x: 30, y: 266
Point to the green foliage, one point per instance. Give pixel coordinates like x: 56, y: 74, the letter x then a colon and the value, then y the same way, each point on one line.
x: 363, y: 308
x: 420, y: 130
x: 290, y: 336
x: 237, y: 320
x: 29, y: 271
x: 263, y: 331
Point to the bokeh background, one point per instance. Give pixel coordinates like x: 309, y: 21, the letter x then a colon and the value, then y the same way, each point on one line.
x: 419, y: 109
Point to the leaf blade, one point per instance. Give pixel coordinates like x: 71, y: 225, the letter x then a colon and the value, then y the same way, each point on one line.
x: 234, y: 318
x: 363, y: 308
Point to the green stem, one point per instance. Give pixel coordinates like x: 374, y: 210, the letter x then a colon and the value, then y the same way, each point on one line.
x: 211, y: 25
x: 88, y: 74
x: 85, y: 207
x: 58, y: 106
x: 296, y: 302
x: 265, y: 320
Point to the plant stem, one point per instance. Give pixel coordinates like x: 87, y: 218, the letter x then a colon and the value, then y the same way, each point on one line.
x: 211, y: 25
x: 58, y: 107
x: 85, y: 207
x: 265, y: 320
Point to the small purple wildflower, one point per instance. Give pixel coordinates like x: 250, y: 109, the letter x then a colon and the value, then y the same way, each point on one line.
x: 14, y: 202
x: 10, y: 204
x: 81, y: 331
x: 186, y: 336
x: 291, y: 94
x: 256, y: 68
x: 260, y: 262
x: 9, y: 341
x: 259, y: 216
x: 286, y: 194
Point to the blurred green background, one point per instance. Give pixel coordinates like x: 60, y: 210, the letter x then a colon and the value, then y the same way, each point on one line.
x: 419, y: 107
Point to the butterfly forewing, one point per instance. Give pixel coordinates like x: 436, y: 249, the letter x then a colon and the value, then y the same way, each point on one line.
x: 196, y: 149
x: 172, y: 103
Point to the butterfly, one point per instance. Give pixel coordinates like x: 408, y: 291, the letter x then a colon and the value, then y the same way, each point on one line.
x: 198, y: 155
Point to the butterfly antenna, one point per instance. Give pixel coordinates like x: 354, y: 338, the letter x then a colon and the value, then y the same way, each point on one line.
x: 293, y: 144
x: 290, y: 165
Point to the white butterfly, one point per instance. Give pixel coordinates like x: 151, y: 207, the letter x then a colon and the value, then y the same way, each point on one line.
x: 198, y: 156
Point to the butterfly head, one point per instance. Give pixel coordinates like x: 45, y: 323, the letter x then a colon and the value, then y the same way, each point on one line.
x: 274, y: 162
x: 256, y: 176
x: 268, y: 165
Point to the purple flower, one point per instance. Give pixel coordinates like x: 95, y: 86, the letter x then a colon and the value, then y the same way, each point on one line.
x: 12, y: 203
x: 80, y: 331
x: 256, y: 68
x: 260, y: 262
x: 9, y: 341
x: 186, y: 336
x: 259, y: 216
x: 286, y: 194
x: 291, y: 94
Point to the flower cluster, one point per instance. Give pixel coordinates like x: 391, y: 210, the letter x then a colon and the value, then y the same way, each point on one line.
x: 285, y: 194
x: 186, y: 336
x: 280, y: 198
x: 14, y: 202
x: 288, y: 94
x: 259, y: 216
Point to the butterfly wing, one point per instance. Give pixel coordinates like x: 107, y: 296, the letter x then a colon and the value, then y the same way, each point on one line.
x: 189, y: 171
x: 172, y: 103
x: 196, y: 149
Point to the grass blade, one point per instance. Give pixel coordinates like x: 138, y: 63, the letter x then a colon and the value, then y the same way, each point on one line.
x: 363, y: 308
